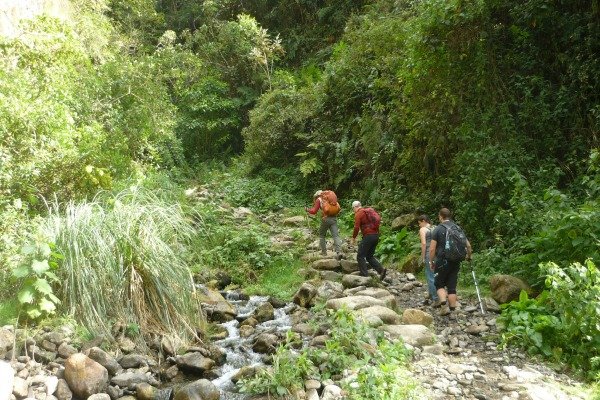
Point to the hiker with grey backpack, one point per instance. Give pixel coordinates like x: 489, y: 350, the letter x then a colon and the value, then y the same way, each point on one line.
x: 449, y: 247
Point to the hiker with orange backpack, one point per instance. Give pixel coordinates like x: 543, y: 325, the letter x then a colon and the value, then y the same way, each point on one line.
x: 326, y: 201
x: 367, y: 221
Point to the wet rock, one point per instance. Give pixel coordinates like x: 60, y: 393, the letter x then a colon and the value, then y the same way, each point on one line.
x: 218, y: 332
x: 246, y: 331
x: 506, y: 288
x: 264, y: 312
x: 327, y: 264
x: 413, y: 316
x: 104, y: 359
x: 133, y: 361
x: 246, y: 371
x: 7, y: 377
x: 194, y: 362
x: 383, y: 313
x: 276, y: 303
x: 63, y: 392
x: 250, y: 321
x: 20, y: 388
x: 219, y: 312
x: 352, y: 281
x: 415, y: 335
x: 305, y: 295
x: 129, y: 379
x: 85, y: 376
x: 354, y: 302
x: 265, y: 343
x: 200, y: 390
x: 65, y: 350
x: 145, y: 391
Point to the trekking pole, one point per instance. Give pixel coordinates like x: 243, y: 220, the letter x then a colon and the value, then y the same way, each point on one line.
x: 476, y: 287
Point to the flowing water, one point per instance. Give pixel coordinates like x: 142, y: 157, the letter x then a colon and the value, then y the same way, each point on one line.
x: 239, y: 350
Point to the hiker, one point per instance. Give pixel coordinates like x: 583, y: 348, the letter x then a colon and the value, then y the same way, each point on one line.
x: 367, y: 221
x: 449, y: 246
x: 326, y: 201
x: 425, y: 230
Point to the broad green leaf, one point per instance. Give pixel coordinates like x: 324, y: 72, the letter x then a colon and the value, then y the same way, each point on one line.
x: 21, y: 271
x: 55, y: 299
x: 34, y: 313
x: 47, y: 306
x: 39, y: 267
x: 52, y: 276
x: 25, y: 296
x: 42, y: 286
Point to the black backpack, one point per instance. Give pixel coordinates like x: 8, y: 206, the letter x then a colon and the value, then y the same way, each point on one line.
x: 456, y: 243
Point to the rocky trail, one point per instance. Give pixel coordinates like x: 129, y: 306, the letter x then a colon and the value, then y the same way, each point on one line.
x: 454, y: 357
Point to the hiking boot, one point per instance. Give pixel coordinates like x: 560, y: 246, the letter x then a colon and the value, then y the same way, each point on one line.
x: 383, y: 274
x: 444, y: 311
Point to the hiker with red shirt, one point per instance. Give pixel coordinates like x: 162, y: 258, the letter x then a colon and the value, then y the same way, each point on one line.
x: 367, y: 221
x: 326, y: 201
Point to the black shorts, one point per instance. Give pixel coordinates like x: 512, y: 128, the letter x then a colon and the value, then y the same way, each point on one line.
x: 446, y: 275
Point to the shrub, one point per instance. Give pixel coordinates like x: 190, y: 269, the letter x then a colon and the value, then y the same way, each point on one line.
x: 123, y: 261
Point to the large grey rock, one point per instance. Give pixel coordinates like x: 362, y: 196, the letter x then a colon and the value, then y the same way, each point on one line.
x: 246, y: 371
x: 194, y: 362
x: 133, y: 361
x: 305, y: 295
x: 378, y: 293
x: 85, y: 376
x: 349, y: 266
x: 104, y: 359
x: 202, y: 389
x: 506, y: 288
x: 265, y: 343
x: 354, y: 302
x: 385, y: 314
x: 264, y: 312
x: 20, y: 387
x: 65, y: 350
x: 63, y: 392
x: 7, y: 377
x: 415, y: 335
x: 329, y: 289
x: 331, y: 392
x: 55, y: 337
x: 331, y: 276
x: 129, y: 379
x: 352, y: 281
x: 403, y: 221
x: 214, y: 304
x: 7, y: 338
x: 413, y: 316
x: 328, y: 264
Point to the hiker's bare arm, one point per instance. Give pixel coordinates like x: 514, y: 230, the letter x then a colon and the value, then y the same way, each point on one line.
x: 422, y: 235
x: 432, y: 247
x: 469, y: 250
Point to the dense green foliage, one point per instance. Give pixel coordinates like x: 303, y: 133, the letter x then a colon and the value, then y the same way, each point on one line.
x: 378, y: 364
x: 564, y: 321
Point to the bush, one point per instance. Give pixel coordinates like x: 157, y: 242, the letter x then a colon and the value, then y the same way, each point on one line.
x: 563, y: 322
x: 124, y: 262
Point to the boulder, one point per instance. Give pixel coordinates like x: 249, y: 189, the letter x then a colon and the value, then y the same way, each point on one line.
x: 145, y: 391
x: 194, y: 362
x: 129, y: 379
x: 265, y: 343
x: 104, y: 359
x: 246, y: 371
x: 85, y: 376
x: 403, y: 221
x: 383, y: 313
x: 413, y: 316
x: 246, y: 331
x: 65, y: 350
x: 331, y: 276
x: 133, y: 361
x: 7, y: 377
x: 214, y: 304
x: 352, y: 281
x: 63, y: 392
x: 264, y: 312
x: 7, y: 339
x: 353, y: 302
x: 506, y: 288
x: 331, y: 392
x: 329, y: 289
x: 305, y: 295
x: 349, y: 266
x: 20, y: 387
x: 294, y: 221
x: 327, y: 264
x: 374, y: 292
x: 415, y: 335
x: 202, y: 389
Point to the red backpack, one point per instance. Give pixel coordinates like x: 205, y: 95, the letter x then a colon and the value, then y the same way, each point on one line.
x: 374, y: 219
x: 329, y: 204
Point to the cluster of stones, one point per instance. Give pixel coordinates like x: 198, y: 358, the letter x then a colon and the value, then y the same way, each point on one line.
x: 51, y: 367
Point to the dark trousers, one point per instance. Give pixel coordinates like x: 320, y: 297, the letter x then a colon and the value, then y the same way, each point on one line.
x: 366, y: 254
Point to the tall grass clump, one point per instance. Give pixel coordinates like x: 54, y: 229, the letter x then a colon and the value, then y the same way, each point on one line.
x: 124, y: 262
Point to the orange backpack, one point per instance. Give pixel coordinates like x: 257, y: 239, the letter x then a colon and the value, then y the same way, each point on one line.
x: 329, y: 204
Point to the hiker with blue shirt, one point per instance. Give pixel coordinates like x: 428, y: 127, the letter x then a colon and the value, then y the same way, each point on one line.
x: 425, y: 231
x: 449, y: 246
